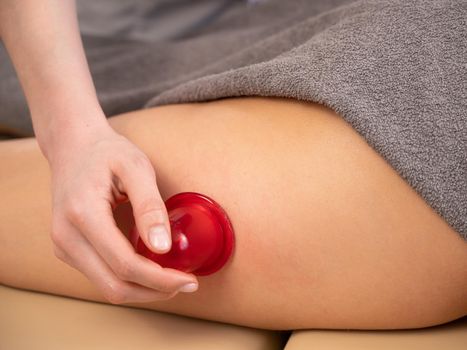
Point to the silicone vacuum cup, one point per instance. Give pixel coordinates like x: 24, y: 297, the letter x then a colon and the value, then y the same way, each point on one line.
x: 202, y: 235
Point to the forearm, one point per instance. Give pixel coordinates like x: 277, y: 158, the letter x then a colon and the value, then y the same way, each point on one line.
x: 43, y: 40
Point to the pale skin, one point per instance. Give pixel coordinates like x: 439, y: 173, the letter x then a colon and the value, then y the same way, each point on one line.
x: 327, y: 234
x: 85, y: 155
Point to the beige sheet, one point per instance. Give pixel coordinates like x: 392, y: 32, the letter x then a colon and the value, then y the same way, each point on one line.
x: 35, y: 321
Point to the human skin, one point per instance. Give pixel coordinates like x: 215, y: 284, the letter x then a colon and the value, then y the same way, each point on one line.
x: 328, y: 235
x: 43, y: 41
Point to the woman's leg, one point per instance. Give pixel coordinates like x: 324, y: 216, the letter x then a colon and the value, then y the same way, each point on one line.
x: 327, y: 234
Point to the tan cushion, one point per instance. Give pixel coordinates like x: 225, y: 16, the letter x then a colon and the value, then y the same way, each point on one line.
x: 452, y: 336
x: 35, y: 321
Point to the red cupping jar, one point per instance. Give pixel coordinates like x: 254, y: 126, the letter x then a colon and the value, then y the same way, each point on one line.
x: 202, y: 235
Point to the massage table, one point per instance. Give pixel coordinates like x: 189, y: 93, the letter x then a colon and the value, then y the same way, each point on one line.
x: 37, y: 321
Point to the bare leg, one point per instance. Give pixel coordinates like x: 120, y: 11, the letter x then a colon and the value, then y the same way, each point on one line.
x: 328, y: 235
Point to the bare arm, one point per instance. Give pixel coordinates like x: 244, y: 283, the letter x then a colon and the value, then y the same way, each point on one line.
x: 93, y: 168
x: 43, y: 41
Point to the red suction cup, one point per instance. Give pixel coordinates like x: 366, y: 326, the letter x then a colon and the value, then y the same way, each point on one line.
x: 202, y: 235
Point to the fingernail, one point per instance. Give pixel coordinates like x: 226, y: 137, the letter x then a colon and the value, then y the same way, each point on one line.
x: 189, y: 288
x: 159, y: 238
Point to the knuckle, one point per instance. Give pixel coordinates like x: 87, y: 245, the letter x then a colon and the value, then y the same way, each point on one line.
x: 148, y: 206
x: 115, y: 293
x: 116, y: 297
x: 59, y: 253
x: 125, y: 269
x: 140, y: 160
x: 75, y: 211
x: 57, y: 238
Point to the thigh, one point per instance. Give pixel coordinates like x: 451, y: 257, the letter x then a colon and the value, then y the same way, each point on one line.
x: 327, y: 234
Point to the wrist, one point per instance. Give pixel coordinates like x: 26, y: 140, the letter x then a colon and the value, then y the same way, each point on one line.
x: 67, y: 131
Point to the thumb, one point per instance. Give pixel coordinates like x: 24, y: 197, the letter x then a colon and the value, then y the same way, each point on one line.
x: 149, y: 209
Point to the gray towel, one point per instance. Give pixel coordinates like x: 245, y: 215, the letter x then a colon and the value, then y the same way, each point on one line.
x: 395, y: 70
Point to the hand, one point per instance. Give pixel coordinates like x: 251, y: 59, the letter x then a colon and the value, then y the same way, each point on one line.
x: 91, y: 174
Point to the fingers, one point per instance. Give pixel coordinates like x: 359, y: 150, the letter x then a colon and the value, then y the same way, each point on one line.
x: 138, y: 180
x: 97, y: 225
x: 86, y: 188
x: 93, y: 267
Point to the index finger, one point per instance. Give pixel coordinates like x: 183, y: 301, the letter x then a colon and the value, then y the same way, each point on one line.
x: 98, y: 226
x: 138, y: 181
